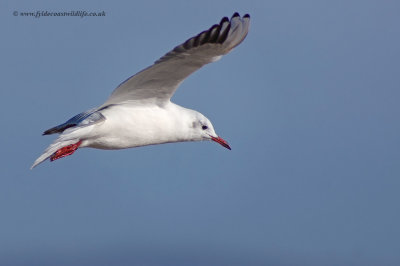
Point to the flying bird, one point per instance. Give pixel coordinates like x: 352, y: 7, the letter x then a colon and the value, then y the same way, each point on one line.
x: 139, y: 111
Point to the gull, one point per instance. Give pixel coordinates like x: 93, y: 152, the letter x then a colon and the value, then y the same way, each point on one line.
x: 139, y: 111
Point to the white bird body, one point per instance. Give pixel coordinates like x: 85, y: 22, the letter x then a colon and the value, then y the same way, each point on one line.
x: 139, y: 111
x: 128, y: 126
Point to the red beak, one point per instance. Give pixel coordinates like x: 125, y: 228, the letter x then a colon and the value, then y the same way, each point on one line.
x: 221, y: 141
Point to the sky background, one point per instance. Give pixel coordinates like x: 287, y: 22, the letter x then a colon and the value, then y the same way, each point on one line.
x: 309, y: 103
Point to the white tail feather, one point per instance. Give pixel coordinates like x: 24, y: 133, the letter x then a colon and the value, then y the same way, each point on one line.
x: 68, y: 137
x: 55, y: 146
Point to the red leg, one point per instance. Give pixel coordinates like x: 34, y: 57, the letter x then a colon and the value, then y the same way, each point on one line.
x: 65, y: 151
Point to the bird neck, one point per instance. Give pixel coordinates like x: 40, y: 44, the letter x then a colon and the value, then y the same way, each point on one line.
x: 182, y: 123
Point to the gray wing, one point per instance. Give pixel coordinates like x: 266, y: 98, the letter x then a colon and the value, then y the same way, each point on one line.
x: 158, y: 82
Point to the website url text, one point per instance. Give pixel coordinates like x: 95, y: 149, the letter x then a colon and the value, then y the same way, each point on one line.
x: 39, y: 14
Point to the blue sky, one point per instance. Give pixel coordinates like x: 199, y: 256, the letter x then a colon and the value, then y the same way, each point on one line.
x: 308, y: 103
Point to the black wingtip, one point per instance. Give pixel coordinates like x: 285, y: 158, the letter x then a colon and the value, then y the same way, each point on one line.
x: 49, y: 131
x: 236, y: 14
x: 223, y: 20
x: 246, y: 16
x: 58, y: 129
x: 214, y: 33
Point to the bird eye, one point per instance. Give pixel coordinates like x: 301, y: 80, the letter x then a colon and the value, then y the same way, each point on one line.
x: 204, y: 127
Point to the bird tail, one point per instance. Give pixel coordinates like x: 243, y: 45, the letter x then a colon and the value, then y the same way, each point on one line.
x: 63, y: 146
x: 72, y: 133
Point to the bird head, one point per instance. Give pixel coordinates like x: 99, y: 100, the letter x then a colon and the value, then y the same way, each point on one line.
x: 204, y: 130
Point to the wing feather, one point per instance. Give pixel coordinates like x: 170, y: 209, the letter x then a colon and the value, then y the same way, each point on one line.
x: 158, y: 82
